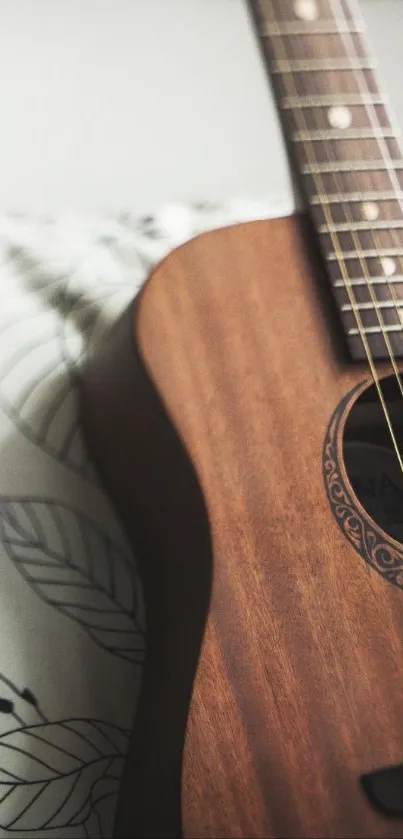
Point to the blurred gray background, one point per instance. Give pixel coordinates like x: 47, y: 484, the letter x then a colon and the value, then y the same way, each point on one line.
x: 114, y: 104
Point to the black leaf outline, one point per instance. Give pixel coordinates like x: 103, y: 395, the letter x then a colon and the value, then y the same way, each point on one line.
x: 103, y: 593
x: 52, y: 787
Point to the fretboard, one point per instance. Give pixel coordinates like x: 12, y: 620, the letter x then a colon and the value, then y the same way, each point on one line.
x: 344, y: 144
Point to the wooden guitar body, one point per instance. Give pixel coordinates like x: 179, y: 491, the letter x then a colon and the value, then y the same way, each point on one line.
x: 274, y: 674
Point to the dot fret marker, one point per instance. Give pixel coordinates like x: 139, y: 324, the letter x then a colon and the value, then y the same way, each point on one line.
x: 306, y: 9
x: 370, y: 211
x: 388, y: 266
x: 339, y: 117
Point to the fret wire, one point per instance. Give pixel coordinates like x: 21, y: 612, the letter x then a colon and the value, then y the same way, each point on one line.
x: 329, y: 100
x: 364, y: 226
x: 372, y: 330
x: 361, y: 281
x: 324, y: 65
x: 367, y: 253
x: 325, y: 27
x: 369, y: 306
x: 349, y: 134
x: 354, y: 197
x: 349, y: 166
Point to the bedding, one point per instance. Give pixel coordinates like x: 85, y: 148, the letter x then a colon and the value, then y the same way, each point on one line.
x: 72, y: 619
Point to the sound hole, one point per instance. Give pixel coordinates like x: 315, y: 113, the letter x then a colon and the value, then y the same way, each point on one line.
x: 370, y: 458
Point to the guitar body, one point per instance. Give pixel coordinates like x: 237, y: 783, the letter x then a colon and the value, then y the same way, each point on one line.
x: 216, y: 414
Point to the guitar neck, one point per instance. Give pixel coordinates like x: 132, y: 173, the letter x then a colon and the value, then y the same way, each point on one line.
x: 345, y: 147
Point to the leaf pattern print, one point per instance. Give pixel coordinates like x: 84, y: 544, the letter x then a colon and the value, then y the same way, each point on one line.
x: 55, y: 775
x: 78, y: 569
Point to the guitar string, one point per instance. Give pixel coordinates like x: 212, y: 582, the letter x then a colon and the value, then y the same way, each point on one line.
x: 375, y: 302
x: 319, y: 185
x: 372, y: 235
x: 394, y: 182
x: 357, y: 244
x: 333, y: 235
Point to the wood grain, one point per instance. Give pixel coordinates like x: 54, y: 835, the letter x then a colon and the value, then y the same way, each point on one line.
x: 274, y: 670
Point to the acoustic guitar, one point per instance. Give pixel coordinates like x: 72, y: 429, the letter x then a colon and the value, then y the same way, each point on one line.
x: 246, y: 417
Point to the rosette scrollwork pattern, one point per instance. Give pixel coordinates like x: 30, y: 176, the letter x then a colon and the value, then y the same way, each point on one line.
x: 381, y: 552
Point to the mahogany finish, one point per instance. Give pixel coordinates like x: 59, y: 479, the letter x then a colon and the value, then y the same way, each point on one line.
x: 207, y: 412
